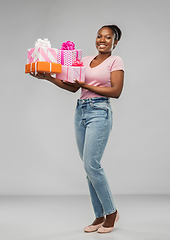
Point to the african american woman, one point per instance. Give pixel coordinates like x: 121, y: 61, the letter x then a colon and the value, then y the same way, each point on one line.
x: 93, y: 120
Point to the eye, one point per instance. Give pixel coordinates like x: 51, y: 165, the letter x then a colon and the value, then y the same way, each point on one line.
x: 108, y: 37
x: 98, y: 36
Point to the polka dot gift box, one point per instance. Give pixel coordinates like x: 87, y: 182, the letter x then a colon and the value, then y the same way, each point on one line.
x: 68, y: 54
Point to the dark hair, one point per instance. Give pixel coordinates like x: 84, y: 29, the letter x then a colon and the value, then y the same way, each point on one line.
x: 116, y: 31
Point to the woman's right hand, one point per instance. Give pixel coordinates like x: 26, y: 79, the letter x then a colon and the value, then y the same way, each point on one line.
x: 43, y: 76
x: 72, y: 87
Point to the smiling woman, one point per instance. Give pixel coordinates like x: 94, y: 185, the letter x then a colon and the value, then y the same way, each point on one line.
x: 93, y: 121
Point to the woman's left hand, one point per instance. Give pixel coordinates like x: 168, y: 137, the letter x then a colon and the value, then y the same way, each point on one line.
x: 76, y: 83
x: 114, y: 91
x: 79, y: 83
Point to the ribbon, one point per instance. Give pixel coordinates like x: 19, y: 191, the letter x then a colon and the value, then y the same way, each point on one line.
x: 80, y: 74
x: 77, y: 63
x: 62, y: 57
x: 50, y: 67
x: 77, y: 55
x: 35, y: 68
x: 67, y: 46
x: 43, y: 43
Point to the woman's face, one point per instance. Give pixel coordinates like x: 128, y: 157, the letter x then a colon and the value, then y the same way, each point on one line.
x: 105, y: 40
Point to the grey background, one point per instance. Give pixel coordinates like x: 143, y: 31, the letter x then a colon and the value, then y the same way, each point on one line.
x: 38, y: 152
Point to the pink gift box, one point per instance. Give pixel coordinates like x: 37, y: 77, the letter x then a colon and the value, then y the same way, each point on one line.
x: 42, y: 54
x: 67, y: 57
x: 69, y: 73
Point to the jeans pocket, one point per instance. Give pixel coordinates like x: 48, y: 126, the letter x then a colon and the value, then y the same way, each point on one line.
x: 103, y: 106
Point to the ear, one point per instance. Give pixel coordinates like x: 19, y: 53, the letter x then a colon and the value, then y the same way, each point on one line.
x: 115, y: 42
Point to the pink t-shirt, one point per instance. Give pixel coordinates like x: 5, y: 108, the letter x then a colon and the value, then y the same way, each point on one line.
x: 100, y: 75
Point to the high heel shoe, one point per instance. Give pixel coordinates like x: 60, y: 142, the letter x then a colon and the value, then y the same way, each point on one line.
x: 108, y: 229
x: 93, y: 228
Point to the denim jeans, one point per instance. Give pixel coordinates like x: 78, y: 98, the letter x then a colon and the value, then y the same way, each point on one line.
x: 93, y: 123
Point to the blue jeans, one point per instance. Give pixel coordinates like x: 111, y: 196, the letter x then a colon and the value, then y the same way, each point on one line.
x: 93, y: 123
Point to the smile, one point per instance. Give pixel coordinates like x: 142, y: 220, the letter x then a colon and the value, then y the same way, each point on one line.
x: 102, y: 45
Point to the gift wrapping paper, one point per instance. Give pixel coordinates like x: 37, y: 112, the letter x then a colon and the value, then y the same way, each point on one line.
x: 43, y: 54
x: 43, y: 67
x: 67, y: 57
x: 69, y: 73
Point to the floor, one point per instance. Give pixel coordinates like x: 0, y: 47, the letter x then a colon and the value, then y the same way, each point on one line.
x: 142, y: 217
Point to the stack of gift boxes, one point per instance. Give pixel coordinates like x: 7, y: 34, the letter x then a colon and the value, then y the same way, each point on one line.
x: 65, y: 63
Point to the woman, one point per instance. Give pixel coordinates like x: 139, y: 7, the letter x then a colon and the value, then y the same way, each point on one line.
x: 93, y: 121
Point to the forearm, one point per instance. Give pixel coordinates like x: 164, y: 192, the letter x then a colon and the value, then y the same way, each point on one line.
x: 104, y: 91
x: 63, y: 85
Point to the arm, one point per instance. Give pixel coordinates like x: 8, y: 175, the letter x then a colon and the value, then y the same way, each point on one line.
x: 117, y: 78
x: 64, y: 85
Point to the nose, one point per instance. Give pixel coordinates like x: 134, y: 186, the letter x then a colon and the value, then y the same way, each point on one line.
x: 102, y: 39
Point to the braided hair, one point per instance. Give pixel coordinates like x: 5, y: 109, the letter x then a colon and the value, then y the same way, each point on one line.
x: 116, y: 31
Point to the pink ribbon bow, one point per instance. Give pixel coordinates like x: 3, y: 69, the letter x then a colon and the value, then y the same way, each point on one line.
x: 68, y: 46
x: 77, y: 63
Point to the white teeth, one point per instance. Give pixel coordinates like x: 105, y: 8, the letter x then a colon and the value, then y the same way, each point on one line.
x: 102, y: 45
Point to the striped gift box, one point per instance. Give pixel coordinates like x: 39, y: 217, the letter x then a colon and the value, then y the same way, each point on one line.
x: 43, y: 54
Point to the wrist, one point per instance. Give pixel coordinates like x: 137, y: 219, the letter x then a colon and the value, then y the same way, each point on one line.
x: 50, y: 78
x: 85, y: 86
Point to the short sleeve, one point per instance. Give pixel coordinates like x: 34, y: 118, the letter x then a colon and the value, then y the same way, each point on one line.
x: 117, y: 64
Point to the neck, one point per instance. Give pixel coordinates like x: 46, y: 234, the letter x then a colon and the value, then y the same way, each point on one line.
x: 103, y: 56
